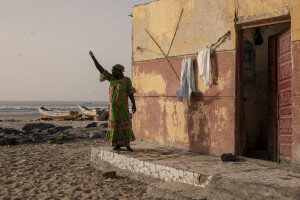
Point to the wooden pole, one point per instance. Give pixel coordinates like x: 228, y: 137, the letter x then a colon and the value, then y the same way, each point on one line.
x: 163, y: 53
x: 175, y: 32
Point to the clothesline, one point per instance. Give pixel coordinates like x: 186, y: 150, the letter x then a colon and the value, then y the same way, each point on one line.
x: 141, y: 48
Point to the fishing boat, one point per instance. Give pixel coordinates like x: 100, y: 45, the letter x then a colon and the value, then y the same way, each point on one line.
x: 86, y: 111
x: 98, y: 114
x: 57, y: 114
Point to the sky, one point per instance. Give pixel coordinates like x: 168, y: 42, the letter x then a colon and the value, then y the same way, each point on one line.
x: 45, y: 44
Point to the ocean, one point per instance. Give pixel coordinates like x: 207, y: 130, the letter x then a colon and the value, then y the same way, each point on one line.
x: 29, y: 107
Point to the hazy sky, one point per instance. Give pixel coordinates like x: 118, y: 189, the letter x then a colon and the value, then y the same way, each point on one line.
x: 45, y: 44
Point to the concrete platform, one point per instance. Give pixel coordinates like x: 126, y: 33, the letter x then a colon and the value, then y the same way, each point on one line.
x: 185, y: 175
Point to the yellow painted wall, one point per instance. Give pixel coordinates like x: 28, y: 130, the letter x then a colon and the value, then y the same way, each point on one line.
x: 202, y: 23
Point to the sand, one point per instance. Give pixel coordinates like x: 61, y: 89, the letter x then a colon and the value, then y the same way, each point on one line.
x: 58, y: 171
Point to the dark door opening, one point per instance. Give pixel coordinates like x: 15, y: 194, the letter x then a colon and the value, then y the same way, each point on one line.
x: 264, y: 92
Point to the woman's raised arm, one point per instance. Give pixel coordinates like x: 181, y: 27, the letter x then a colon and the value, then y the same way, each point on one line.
x: 98, y: 66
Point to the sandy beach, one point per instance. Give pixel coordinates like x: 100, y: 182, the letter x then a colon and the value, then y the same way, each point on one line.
x: 58, y: 171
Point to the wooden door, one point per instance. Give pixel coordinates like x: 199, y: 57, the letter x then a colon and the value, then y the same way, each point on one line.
x: 284, y: 92
x: 272, y: 98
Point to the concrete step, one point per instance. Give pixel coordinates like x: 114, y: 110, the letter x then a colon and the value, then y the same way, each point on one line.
x: 171, y: 179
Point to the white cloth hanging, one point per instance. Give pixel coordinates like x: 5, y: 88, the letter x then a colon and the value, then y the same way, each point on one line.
x: 204, y: 65
x: 187, y: 81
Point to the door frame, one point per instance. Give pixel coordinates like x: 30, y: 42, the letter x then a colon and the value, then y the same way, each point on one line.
x: 239, y: 124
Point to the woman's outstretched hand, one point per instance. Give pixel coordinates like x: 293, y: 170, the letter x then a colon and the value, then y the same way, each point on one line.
x: 91, y: 54
x: 98, y: 66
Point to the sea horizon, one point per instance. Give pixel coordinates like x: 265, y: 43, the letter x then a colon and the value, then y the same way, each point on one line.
x: 16, y: 107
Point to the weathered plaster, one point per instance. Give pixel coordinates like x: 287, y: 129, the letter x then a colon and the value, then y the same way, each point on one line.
x: 205, y: 127
x: 156, y: 78
x: 147, y: 121
x: 224, y: 80
x: 142, y: 115
x: 202, y: 128
x: 149, y: 82
x: 175, y: 121
x: 221, y: 114
x: 160, y: 19
x: 209, y: 126
x: 250, y: 11
x: 197, y: 116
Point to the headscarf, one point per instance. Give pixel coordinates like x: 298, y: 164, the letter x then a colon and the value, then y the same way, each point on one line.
x: 119, y: 67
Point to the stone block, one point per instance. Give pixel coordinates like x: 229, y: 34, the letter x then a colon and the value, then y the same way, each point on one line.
x: 162, y: 174
x: 135, y: 168
x: 131, y: 160
x: 152, y: 168
x: 189, y: 177
x: 184, y: 180
x: 158, y: 168
x: 174, y: 172
x: 167, y: 168
x: 141, y: 164
x: 147, y: 164
x: 147, y: 172
x: 122, y: 166
x: 130, y: 168
x: 155, y: 175
x: 113, y: 161
x: 135, y: 163
x: 127, y: 164
x: 169, y: 175
x: 180, y: 173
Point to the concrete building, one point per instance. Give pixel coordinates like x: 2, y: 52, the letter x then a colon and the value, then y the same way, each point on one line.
x: 252, y: 106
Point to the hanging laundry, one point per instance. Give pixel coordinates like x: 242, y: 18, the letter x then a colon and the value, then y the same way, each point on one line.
x: 187, y: 80
x: 204, y: 65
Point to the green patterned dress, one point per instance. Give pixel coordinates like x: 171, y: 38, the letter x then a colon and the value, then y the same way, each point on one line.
x: 119, y: 125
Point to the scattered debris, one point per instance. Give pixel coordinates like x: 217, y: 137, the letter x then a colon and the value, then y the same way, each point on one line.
x: 94, y: 124
x: 110, y: 174
x: 228, y: 157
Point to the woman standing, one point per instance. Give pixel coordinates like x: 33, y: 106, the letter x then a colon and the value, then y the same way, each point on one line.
x: 119, y: 131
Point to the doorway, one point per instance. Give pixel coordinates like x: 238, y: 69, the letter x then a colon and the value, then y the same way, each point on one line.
x: 265, y: 91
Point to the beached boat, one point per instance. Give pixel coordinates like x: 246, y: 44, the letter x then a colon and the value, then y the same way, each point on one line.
x: 98, y: 114
x: 57, y: 114
x: 86, y: 111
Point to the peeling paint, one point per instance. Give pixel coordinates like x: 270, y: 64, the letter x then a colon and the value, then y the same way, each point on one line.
x: 264, y: 15
x: 221, y: 119
x: 149, y: 82
x: 198, y: 116
x: 209, y: 126
x: 224, y: 80
x: 140, y: 105
x: 175, y: 121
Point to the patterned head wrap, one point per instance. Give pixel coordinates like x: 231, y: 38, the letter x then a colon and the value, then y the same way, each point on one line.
x: 119, y: 67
